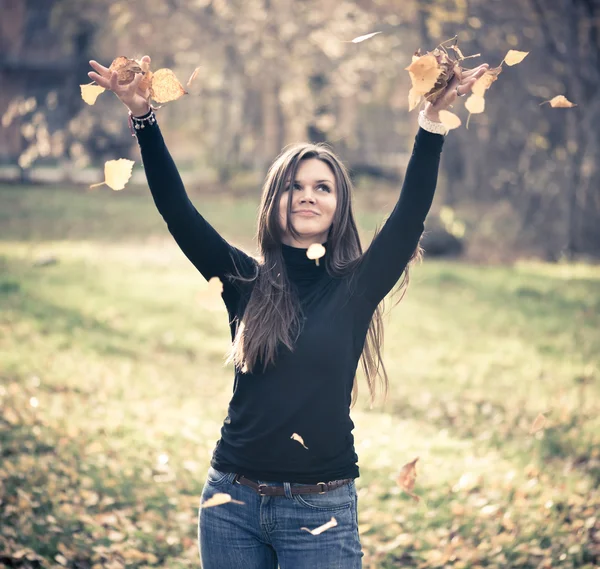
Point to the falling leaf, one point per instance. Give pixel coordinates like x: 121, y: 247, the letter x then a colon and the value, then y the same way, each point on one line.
x: 126, y: 69
x: 116, y: 173
x: 365, y: 37
x: 328, y: 525
x: 315, y: 252
x: 513, y: 56
x: 424, y: 73
x: 560, y: 102
x: 475, y: 104
x: 90, y: 92
x: 406, y: 478
x: 215, y: 285
x: 413, y: 99
x: 165, y: 86
x: 298, y: 438
x: 538, y: 424
x: 485, y: 81
x: 449, y: 120
x: 193, y: 76
x: 219, y: 499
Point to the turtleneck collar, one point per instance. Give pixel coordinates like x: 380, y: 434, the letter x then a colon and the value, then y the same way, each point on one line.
x: 299, y: 266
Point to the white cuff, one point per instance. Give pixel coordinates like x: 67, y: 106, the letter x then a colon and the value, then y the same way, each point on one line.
x: 431, y: 126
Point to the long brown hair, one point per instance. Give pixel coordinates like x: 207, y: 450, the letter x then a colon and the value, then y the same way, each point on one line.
x: 273, y: 313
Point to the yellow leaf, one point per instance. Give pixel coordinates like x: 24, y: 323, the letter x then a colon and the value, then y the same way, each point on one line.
x: 193, y: 76
x: 315, y: 252
x: 219, y: 499
x: 215, y: 285
x: 413, y: 99
x: 560, y: 101
x: 365, y: 37
x: 90, y: 92
x: 449, y: 120
x: 165, y: 86
x: 330, y: 524
x: 538, y: 424
x: 298, y: 438
x: 475, y: 104
x: 116, y: 173
x: 407, y: 477
x: 424, y: 73
x: 513, y: 56
x: 485, y: 81
x: 126, y: 69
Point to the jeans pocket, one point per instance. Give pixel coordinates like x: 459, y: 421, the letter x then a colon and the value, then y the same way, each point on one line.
x: 341, y: 498
x: 215, y: 477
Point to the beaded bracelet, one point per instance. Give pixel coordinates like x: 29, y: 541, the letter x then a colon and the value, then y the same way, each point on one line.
x: 431, y: 126
x: 136, y: 123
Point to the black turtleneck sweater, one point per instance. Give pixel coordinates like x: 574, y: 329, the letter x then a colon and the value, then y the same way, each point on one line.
x: 307, y: 391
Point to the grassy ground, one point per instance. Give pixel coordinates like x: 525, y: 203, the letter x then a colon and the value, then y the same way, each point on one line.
x: 112, y: 394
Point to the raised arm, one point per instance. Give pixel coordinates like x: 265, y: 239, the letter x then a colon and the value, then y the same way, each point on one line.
x: 387, y: 256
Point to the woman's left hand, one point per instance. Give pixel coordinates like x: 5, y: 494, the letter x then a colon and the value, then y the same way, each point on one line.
x: 461, y: 84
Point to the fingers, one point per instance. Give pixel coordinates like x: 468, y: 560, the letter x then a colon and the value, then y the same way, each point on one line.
x: 99, y: 68
x: 146, y: 59
x: 102, y: 81
x: 480, y: 69
x: 114, y: 77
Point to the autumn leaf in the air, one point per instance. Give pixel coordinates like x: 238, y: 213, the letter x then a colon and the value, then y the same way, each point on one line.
x: 297, y: 437
x: 475, y: 104
x: 116, y: 173
x: 90, y: 92
x: 327, y: 525
x: 406, y: 478
x: 193, y: 76
x: 126, y: 69
x: 219, y: 499
x: 165, y: 86
x: 560, y: 102
x: 315, y: 252
x: 365, y: 37
x: 513, y: 57
x: 449, y: 120
x: 424, y: 72
x: 485, y: 81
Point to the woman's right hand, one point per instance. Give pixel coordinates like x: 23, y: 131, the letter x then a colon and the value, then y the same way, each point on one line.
x: 130, y: 95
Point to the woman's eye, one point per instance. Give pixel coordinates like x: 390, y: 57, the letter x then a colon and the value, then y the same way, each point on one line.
x: 326, y: 188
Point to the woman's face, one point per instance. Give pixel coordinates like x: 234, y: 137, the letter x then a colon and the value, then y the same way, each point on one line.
x: 314, y: 199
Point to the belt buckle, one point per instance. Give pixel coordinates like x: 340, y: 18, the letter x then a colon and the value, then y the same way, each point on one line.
x: 324, y: 486
x: 260, y: 489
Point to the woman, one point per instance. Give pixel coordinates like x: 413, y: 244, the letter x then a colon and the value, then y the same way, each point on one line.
x: 298, y: 331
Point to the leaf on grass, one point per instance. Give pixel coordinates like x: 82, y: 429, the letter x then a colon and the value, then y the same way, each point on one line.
x: 449, y: 120
x: 407, y: 477
x: 116, y: 173
x: 328, y: 525
x: 513, y: 56
x: 219, y: 499
x: 560, y: 102
x: 165, y: 86
x: 90, y: 92
x: 297, y: 437
x: 424, y: 73
x: 126, y: 69
x: 413, y: 99
x: 365, y: 37
x: 538, y: 424
x: 193, y: 76
x: 315, y: 252
x: 475, y: 104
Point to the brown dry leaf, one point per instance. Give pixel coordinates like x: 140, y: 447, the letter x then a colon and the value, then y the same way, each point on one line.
x: 298, y: 438
x: 513, y: 56
x: 328, y: 525
x: 126, y: 69
x: 449, y: 120
x: 538, y: 424
x: 406, y: 478
x: 475, y: 104
x: 116, y: 173
x: 219, y: 499
x: 90, y: 92
x: 215, y: 285
x: 413, y: 99
x: 165, y: 86
x: 365, y: 37
x: 560, y: 102
x: 424, y: 73
x: 315, y: 252
x: 193, y: 75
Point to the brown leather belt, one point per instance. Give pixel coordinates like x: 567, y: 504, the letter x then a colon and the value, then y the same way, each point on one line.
x: 266, y: 490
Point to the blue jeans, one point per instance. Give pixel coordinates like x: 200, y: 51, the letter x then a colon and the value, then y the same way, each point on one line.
x: 265, y: 532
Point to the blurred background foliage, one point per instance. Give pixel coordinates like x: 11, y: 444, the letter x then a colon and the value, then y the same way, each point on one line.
x: 278, y: 71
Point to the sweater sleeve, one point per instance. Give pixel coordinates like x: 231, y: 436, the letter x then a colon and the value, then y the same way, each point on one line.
x: 386, y: 258
x: 212, y: 255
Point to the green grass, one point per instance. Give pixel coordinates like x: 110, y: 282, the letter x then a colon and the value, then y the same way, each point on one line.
x: 113, y: 392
